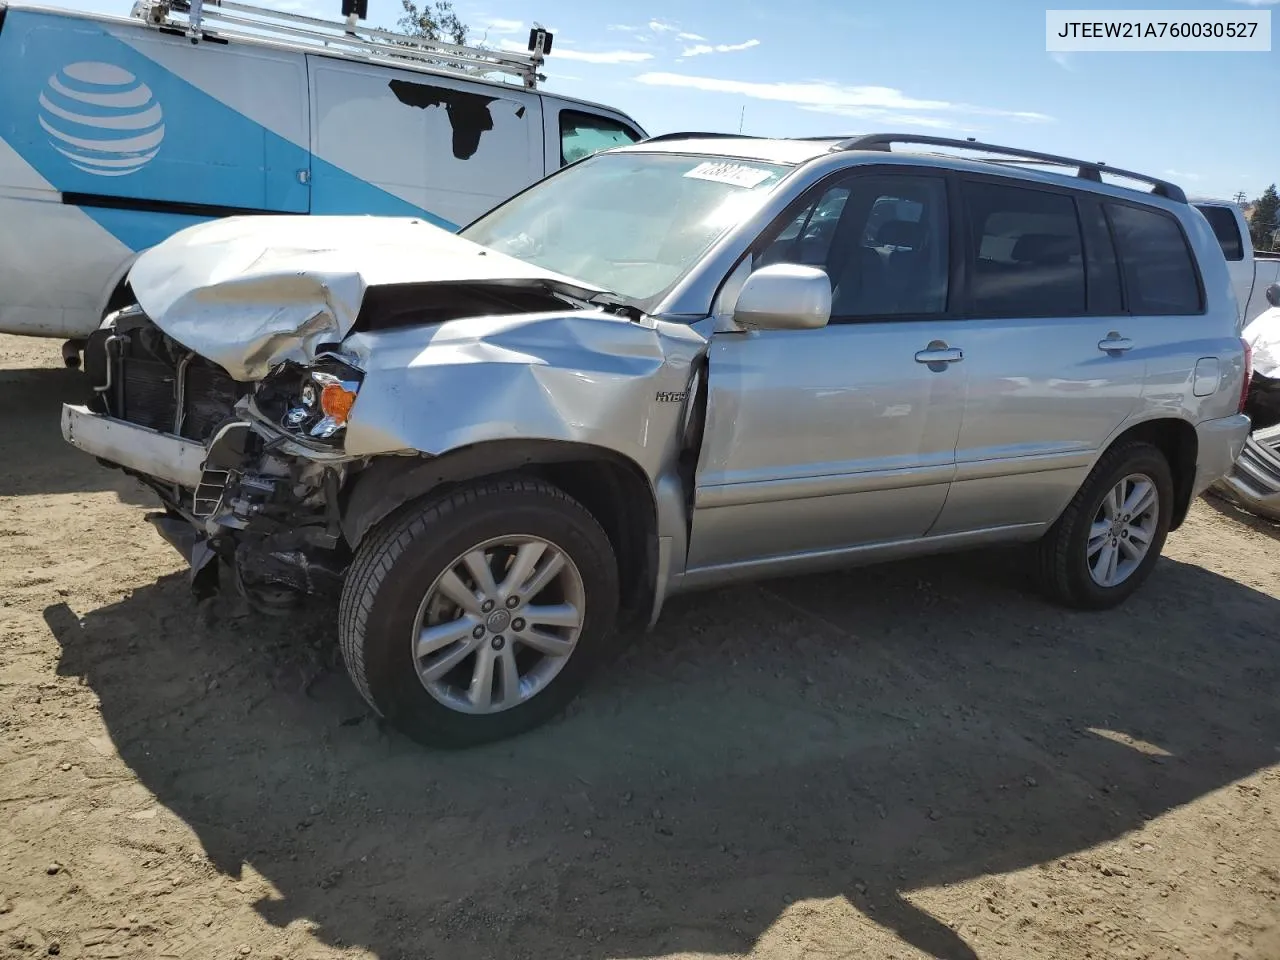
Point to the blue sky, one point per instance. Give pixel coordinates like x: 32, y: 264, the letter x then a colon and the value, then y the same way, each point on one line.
x: 1210, y: 121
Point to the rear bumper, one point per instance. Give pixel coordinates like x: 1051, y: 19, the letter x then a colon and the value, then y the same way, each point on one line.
x: 137, y: 448
x: 1254, y: 480
x: 1220, y: 443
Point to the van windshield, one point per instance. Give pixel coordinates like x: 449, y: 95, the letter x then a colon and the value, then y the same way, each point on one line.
x: 631, y: 223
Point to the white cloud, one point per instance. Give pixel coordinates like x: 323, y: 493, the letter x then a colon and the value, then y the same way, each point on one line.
x: 584, y: 56
x: 887, y: 118
x: 882, y: 103
x: 1182, y: 175
x: 603, y: 56
x: 1257, y: 3
x: 691, y: 37
x: 699, y: 49
x: 623, y: 28
x: 502, y: 26
x: 1062, y: 59
x: 661, y: 26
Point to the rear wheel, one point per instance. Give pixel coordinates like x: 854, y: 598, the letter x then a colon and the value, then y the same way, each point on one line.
x: 1109, y: 538
x: 479, y: 615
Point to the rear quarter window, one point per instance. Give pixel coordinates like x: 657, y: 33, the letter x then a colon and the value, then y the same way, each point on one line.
x: 1159, y: 272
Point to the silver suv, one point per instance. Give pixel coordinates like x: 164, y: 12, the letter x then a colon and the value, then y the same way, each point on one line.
x: 695, y: 360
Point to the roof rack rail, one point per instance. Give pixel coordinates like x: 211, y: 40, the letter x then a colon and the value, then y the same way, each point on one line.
x: 1085, y: 169
x: 696, y: 135
x: 346, y: 37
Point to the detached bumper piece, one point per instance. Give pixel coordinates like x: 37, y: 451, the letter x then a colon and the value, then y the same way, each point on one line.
x: 1254, y: 481
x: 132, y: 446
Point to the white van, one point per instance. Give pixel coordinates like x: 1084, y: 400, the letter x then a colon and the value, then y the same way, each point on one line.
x: 116, y: 132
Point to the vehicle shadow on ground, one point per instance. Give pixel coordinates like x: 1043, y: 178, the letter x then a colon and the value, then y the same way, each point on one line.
x: 864, y: 734
x: 37, y: 459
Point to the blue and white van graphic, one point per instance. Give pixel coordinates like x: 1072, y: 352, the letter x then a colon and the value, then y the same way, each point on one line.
x: 102, y: 118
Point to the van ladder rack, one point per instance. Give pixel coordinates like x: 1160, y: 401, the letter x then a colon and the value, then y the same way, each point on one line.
x: 346, y: 37
x: 1085, y: 169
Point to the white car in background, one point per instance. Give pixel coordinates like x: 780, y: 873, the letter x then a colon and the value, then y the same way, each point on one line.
x: 1252, y: 271
x: 1254, y: 481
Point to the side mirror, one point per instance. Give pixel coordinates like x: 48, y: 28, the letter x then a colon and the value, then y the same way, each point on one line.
x: 784, y: 296
x: 1273, y: 294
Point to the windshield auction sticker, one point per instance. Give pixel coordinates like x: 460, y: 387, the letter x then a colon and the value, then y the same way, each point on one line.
x: 732, y: 173
x: 1136, y: 31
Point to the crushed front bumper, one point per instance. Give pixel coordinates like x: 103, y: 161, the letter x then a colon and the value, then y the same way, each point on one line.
x: 160, y: 455
x: 270, y: 518
x: 1254, y: 480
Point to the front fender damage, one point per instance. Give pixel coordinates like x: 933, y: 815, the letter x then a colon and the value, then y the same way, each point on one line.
x: 277, y: 520
x: 586, y: 378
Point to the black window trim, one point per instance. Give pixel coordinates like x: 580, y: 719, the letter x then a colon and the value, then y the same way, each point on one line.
x: 1201, y: 292
x: 562, y: 112
x: 839, y: 178
x: 1086, y: 201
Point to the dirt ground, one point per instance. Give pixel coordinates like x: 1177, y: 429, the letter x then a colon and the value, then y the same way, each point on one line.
x: 916, y: 760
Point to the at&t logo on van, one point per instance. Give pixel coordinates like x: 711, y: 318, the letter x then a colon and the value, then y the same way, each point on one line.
x: 102, y: 118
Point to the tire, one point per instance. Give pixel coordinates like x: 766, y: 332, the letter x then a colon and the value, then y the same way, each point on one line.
x: 1063, y: 561
x: 394, y: 583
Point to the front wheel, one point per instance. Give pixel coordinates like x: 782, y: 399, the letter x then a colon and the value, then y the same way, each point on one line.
x: 1109, y: 538
x: 479, y: 615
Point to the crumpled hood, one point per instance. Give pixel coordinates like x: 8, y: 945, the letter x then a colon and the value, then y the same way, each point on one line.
x: 251, y: 292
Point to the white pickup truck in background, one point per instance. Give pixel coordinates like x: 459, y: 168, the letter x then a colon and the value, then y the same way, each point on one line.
x: 1252, y: 271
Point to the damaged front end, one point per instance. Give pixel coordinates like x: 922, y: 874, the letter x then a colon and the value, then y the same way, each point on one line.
x: 248, y: 474
x: 230, y: 388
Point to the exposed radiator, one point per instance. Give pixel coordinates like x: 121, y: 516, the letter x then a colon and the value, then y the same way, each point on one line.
x: 151, y: 397
x: 150, y: 394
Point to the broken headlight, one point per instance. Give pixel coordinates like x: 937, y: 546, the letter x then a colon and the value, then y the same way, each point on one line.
x: 312, y: 403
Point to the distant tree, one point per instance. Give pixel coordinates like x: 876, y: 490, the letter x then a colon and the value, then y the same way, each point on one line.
x: 1265, y: 220
x: 434, y: 20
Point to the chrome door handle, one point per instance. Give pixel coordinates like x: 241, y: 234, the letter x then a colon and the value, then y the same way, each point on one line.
x: 939, y: 352
x: 1114, y: 343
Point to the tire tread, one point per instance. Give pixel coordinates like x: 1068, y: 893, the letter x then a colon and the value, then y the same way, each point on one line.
x: 386, y: 543
x: 1052, y: 565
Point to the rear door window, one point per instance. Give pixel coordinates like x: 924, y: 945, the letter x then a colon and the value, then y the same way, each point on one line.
x: 1026, y: 254
x: 1159, y: 272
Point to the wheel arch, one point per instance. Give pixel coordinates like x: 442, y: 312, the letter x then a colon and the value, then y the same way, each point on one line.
x: 117, y: 291
x: 612, y: 487
x: 1176, y: 438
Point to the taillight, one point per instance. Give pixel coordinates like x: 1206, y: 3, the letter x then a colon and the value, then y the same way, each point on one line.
x: 1248, y: 374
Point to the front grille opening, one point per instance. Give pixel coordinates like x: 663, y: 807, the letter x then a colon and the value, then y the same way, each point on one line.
x: 142, y: 368
x: 150, y: 390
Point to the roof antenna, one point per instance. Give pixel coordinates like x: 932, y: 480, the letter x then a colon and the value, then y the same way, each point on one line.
x: 741, y: 118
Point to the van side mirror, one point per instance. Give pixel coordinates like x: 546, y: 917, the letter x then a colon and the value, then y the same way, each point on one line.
x: 784, y: 296
x: 1273, y: 294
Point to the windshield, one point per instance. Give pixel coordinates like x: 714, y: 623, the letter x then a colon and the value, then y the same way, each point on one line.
x: 630, y: 223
